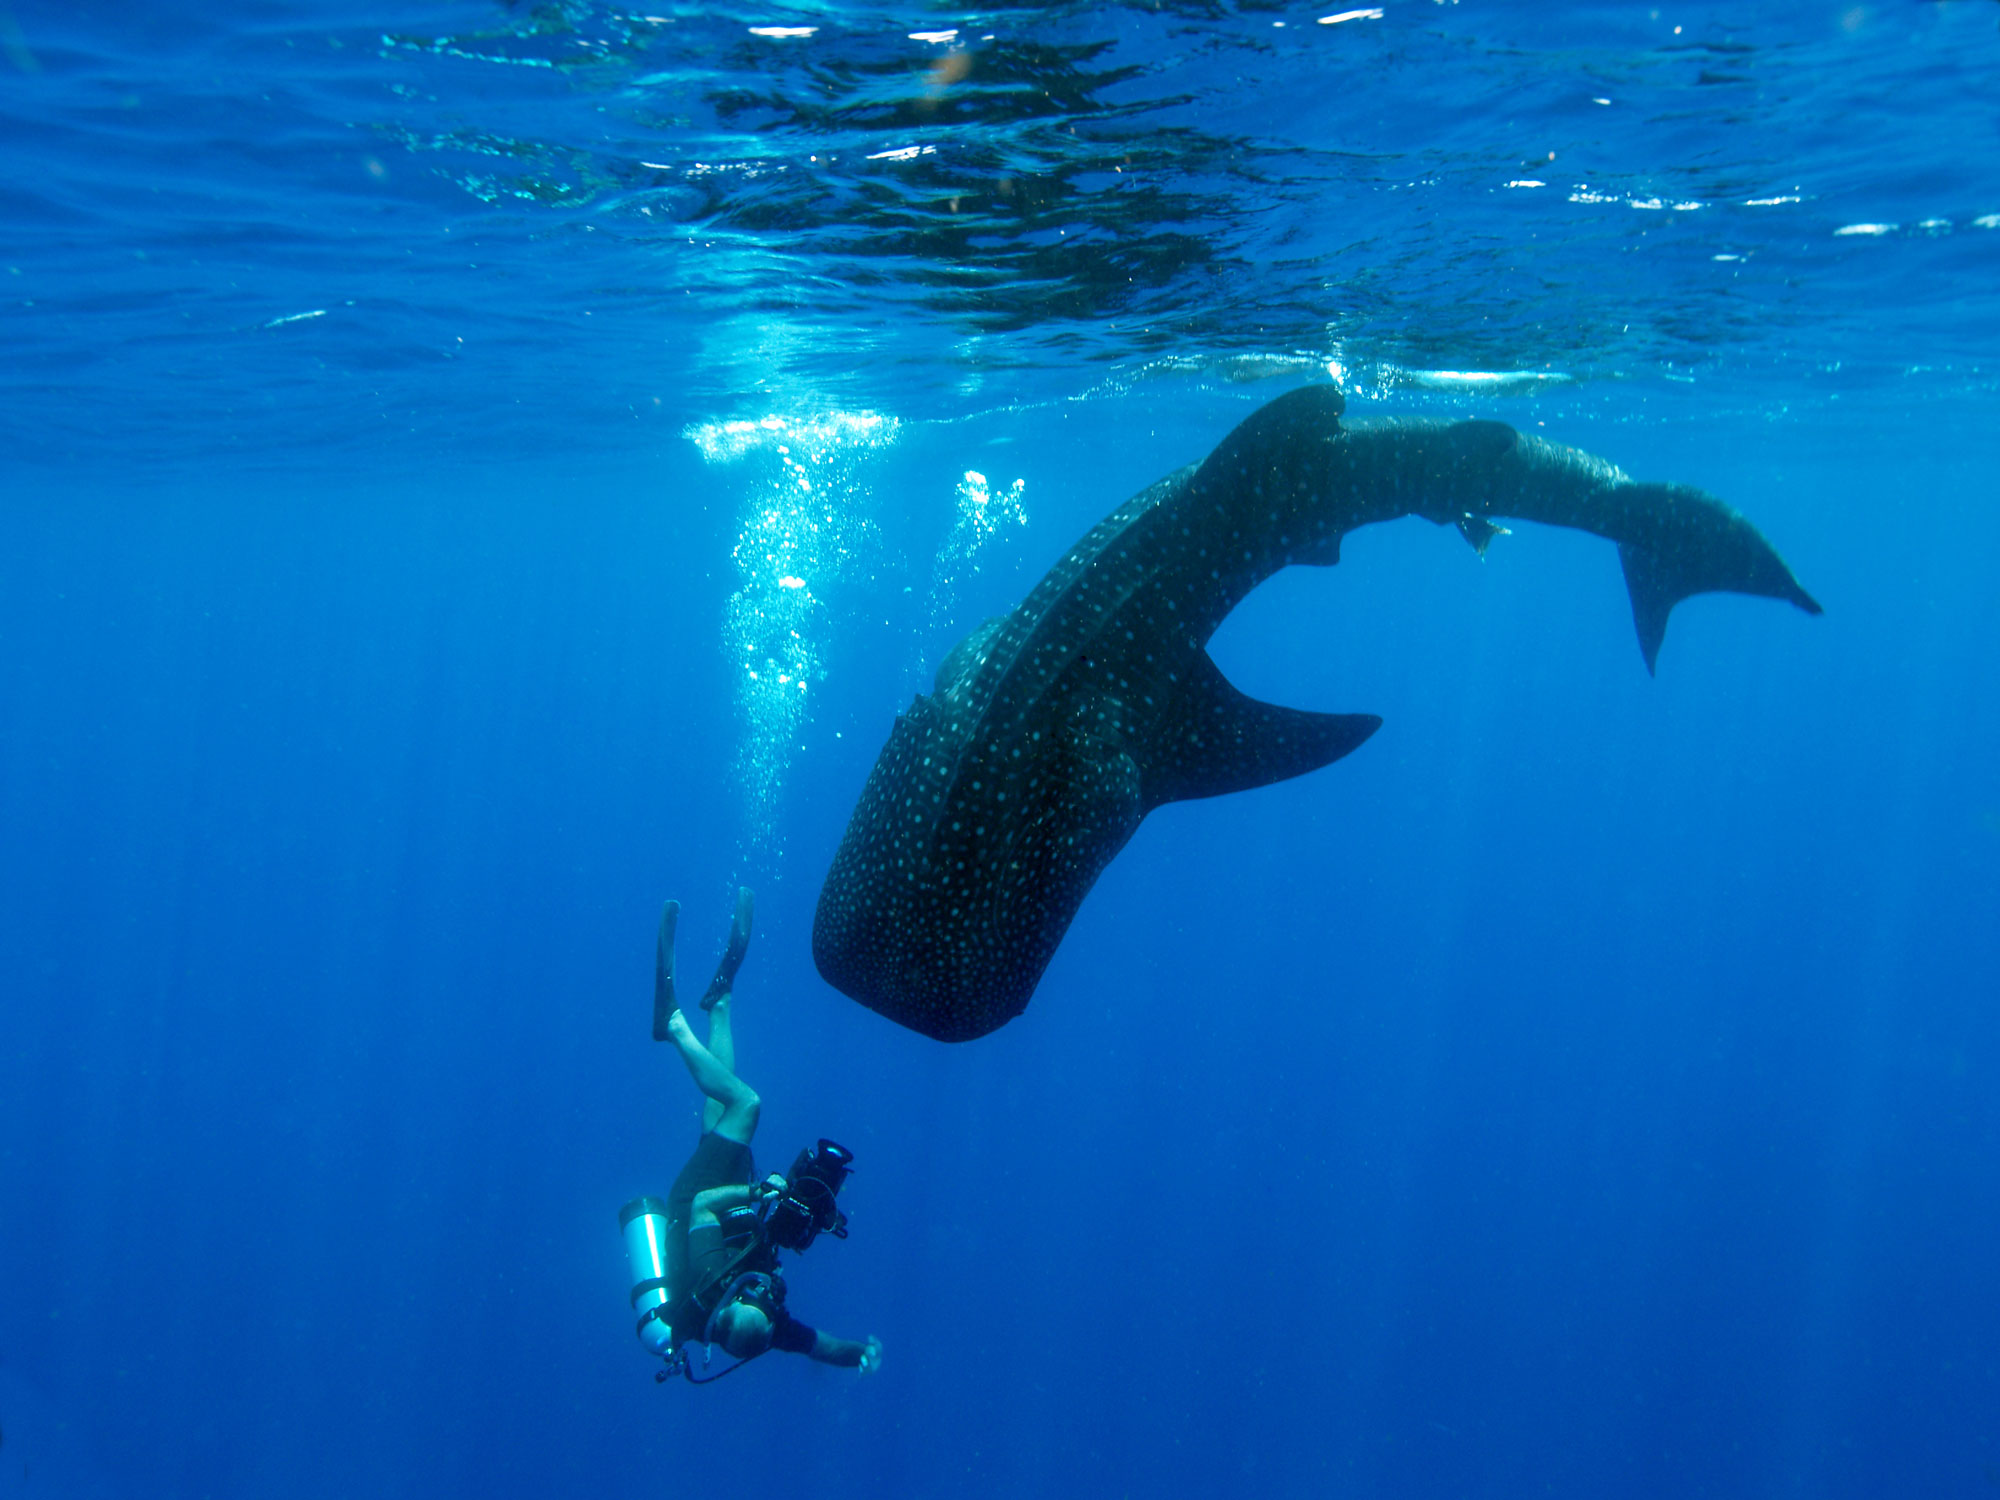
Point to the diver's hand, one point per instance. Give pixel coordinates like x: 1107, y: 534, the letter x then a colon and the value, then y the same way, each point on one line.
x: 771, y: 1187
x: 871, y: 1356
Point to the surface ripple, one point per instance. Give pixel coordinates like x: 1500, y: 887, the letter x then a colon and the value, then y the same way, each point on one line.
x: 620, y: 209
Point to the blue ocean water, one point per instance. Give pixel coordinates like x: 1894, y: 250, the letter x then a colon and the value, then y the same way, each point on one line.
x: 470, y: 471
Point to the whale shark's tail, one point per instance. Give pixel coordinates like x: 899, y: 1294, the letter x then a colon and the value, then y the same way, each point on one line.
x: 1676, y: 541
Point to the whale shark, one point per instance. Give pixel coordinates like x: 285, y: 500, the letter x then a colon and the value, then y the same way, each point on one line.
x: 1054, y: 729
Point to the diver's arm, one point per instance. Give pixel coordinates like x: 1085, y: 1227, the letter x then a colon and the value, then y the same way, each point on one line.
x: 828, y: 1350
x: 795, y: 1337
x: 711, y: 1204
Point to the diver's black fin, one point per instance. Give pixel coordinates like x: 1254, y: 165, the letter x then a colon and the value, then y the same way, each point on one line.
x: 1218, y: 740
x: 664, y: 1004
x: 732, y: 956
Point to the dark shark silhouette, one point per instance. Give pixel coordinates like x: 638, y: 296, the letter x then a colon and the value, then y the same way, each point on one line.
x: 1055, y: 729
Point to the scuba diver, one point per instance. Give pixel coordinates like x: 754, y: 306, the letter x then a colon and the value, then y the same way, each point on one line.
x: 705, y: 1262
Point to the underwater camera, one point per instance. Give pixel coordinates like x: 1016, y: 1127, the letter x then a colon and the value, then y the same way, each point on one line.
x: 805, y: 1210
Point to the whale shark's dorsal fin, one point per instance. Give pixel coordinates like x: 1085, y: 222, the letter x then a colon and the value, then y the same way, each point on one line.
x: 967, y: 654
x: 1217, y: 740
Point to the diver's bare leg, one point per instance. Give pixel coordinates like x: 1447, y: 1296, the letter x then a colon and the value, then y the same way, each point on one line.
x: 732, y: 1105
x: 739, y: 1104
x: 721, y: 1047
x: 721, y: 1038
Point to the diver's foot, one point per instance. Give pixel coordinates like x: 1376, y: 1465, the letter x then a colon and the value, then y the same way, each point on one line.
x: 732, y: 956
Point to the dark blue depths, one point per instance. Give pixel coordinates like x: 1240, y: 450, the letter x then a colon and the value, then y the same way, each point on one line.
x: 1586, y: 1086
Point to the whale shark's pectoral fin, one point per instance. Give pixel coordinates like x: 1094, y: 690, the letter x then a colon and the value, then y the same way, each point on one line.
x: 1479, y: 531
x: 1216, y: 740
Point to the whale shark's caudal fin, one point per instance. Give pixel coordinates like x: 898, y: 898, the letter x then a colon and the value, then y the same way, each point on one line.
x: 1685, y: 542
x: 1220, y: 740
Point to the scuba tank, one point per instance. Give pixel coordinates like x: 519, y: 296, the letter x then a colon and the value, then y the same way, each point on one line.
x: 644, y: 1224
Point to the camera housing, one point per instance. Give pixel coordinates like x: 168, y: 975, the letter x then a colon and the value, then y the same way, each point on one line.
x: 806, y: 1209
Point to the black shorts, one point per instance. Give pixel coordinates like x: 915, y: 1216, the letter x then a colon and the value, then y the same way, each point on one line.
x: 716, y: 1162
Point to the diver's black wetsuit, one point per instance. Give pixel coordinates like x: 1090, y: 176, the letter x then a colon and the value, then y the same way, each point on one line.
x: 698, y: 1259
